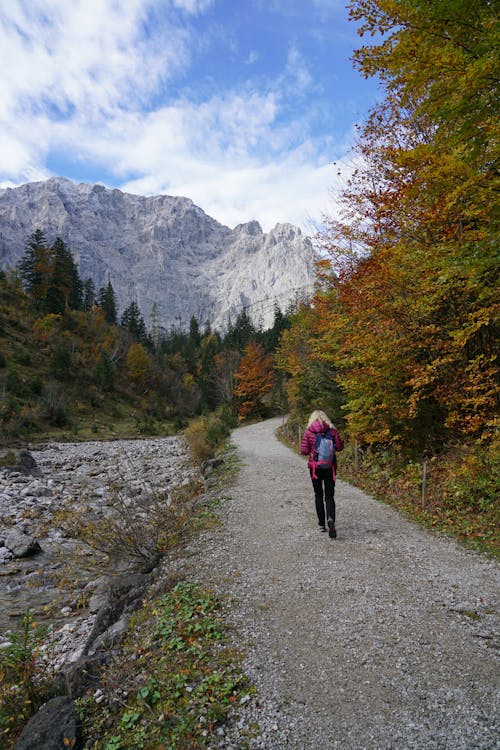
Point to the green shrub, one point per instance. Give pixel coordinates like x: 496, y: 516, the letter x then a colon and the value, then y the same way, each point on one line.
x: 103, y: 373
x: 52, y: 405
x: 24, y: 682
x: 24, y: 357
x: 36, y: 386
x: 61, y: 362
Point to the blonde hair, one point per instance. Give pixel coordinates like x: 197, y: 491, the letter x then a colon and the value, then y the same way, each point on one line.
x: 318, y: 414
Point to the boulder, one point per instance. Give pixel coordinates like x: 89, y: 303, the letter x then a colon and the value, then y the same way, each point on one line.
x: 26, y: 465
x: 20, y: 544
x: 124, y: 596
x: 55, y: 726
x: 208, y: 467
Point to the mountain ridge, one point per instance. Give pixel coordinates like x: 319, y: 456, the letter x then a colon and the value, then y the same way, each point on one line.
x: 163, y: 252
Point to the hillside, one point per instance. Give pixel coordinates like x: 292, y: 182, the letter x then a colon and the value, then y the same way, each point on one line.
x: 71, y: 374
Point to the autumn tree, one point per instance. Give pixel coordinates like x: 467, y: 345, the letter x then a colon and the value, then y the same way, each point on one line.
x: 254, y: 380
x: 138, y: 363
x: 414, y: 310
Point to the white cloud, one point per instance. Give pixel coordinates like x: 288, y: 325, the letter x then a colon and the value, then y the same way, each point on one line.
x: 297, y: 71
x: 81, y: 78
x: 193, y: 6
x: 91, y: 54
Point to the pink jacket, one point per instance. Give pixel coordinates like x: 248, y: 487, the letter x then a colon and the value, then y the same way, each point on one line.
x: 308, y: 442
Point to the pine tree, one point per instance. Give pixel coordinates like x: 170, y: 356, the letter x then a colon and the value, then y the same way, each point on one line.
x: 65, y: 290
x: 132, y: 320
x: 35, y: 268
x: 88, y: 295
x: 107, y: 301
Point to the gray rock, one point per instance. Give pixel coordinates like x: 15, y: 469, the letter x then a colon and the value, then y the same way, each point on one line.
x: 20, y: 544
x: 26, y: 465
x: 5, y: 555
x: 55, y: 726
x: 111, y: 635
x: 208, y: 467
x: 83, y: 675
x: 162, y: 250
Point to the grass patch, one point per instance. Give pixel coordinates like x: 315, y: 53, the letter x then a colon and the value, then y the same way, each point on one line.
x: 184, y: 683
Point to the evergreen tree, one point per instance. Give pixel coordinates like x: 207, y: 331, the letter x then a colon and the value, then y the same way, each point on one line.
x: 132, y: 320
x: 271, y: 338
x: 35, y: 268
x: 88, y: 295
x: 241, y: 333
x: 107, y: 300
x: 65, y: 290
x: 194, y: 332
x: 209, y: 348
x: 104, y: 372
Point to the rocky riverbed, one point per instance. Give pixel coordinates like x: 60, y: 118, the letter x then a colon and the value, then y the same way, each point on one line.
x: 42, y: 495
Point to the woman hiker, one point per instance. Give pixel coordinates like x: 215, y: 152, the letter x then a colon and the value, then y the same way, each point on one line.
x: 323, y: 477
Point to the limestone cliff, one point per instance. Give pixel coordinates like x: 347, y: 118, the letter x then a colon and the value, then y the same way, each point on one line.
x: 162, y: 251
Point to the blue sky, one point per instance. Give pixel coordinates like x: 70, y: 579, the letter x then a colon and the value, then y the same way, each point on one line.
x: 242, y: 106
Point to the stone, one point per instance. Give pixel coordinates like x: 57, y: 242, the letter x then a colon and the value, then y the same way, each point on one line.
x: 163, y: 248
x: 20, y: 544
x: 26, y: 465
x: 111, y: 636
x: 54, y: 726
x: 83, y: 675
x: 5, y: 555
x: 208, y: 467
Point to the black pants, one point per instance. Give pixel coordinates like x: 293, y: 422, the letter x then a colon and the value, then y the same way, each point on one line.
x: 324, y: 492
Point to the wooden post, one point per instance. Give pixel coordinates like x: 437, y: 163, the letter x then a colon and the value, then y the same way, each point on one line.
x: 355, y: 457
x: 424, y: 482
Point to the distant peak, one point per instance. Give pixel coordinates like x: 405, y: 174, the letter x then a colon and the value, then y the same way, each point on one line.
x: 251, y: 227
x: 285, y: 230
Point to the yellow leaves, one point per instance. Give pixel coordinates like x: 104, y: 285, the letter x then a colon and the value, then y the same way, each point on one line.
x: 45, y: 327
x: 137, y: 363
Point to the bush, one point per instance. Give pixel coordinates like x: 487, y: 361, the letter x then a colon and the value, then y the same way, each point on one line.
x: 197, y: 440
x: 206, y: 435
x: 103, y: 373
x: 52, y: 404
x: 24, y: 357
x: 61, y: 362
x: 24, y: 683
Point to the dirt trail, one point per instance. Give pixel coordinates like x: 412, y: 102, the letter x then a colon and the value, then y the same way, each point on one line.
x: 383, y: 638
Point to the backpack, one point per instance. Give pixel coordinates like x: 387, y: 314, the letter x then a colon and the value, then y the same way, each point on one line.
x: 323, y: 455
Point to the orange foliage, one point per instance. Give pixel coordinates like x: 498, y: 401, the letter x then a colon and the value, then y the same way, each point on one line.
x: 255, y: 379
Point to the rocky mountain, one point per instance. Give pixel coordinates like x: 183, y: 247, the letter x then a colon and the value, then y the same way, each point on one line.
x: 163, y: 252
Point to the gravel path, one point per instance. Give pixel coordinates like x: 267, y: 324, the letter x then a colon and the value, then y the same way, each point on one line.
x: 383, y: 638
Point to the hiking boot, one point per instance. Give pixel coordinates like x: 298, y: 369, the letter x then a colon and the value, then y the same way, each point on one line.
x: 322, y: 528
x: 331, y: 529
